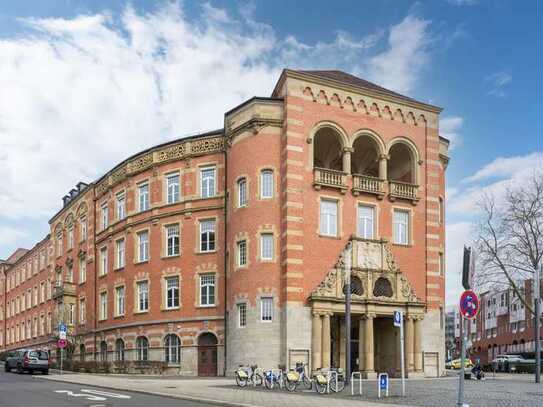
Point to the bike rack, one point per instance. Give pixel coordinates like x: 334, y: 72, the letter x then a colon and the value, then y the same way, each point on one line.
x: 260, y: 371
x: 279, y: 375
x: 359, y: 378
x: 329, y: 376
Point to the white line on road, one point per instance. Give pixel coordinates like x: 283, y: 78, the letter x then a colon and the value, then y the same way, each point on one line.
x: 87, y: 396
x: 106, y: 394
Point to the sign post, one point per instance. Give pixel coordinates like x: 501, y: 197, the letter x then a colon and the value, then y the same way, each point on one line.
x: 62, y: 328
x: 398, y: 322
x: 537, y: 326
x: 469, y: 306
x: 347, y: 289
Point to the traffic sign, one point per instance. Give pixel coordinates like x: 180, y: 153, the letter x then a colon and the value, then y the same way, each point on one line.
x: 62, y: 327
x: 469, y: 304
x: 398, y: 318
x: 62, y: 335
x: 382, y: 384
x: 61, y: 343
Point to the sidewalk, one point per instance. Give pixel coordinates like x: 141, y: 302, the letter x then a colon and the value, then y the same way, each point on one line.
x: 214, y: 390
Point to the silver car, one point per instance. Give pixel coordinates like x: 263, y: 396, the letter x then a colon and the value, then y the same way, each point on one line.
x: 29, y: 360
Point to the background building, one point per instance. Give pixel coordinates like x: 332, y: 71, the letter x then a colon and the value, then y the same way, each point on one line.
x: 226, y: 248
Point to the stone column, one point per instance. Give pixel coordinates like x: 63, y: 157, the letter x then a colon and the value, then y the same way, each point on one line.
x: 383, y: 159
x: 368, y: 344
x: 361, y: 343
x: 409, y: 344
x: 342, y: 345
x: 326, y: 340
x: 418, y: 344
x: 316, y: 340
x: 347, y: 159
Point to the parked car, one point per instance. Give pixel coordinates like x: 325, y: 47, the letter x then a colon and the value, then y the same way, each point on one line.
x: 29, y: 360
x: 455, y: 364
x: 503, y: 363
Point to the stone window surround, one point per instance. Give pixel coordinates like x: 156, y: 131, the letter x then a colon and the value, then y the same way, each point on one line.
x: 339, y: 201
x: 124, y: 194
x: 238, y: 320
x: 115, y: 305
x: 197, y: 298
x: 410, y: 237
x: 116, y: 262
x: 266, y: 229
x: 79, y: 299
x: 243, y: 237
x: 165, y: 175
x: 163, y: 289
x: 141, y: 183
x: 207, y: 165
x: 376, y: 214
x: 136, y: 258
x: 259, y: 182
x: 164, y: 238
x: 102, y: 291
x: 197, y: 222
x: 139, y: 279
x: 101, y: 271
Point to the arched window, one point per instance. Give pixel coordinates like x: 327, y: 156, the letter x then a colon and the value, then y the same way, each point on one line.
x: 172, y: 349
x: 382, y: 288
x: 119, y: 350
x: 327, y: 149
x: 82, y: 352
x: 356, y: 286
x: 142, y: 348
x: 365, y: 157
x: 242, y: 192
x: 401, y: 164
x: 103, y: 351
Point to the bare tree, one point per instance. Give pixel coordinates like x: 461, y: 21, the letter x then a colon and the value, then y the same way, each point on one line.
x: 510, y: 242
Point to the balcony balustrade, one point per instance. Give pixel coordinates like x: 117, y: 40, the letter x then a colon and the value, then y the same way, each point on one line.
x: 365, y: 183
x: 330, y: 178
x: 403, y: 190
x: 63, y: 289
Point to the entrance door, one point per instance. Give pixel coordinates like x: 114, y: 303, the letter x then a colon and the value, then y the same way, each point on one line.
x: 207, y: 355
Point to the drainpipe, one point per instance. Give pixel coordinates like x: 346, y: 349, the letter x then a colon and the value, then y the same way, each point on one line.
x: 95, y: 271
x: 225, y: 248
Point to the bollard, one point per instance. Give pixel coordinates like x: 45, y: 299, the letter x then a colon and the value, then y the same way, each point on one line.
x: 359, y: 375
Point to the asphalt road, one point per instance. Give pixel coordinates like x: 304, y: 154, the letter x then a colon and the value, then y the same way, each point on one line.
x: 28, y: 391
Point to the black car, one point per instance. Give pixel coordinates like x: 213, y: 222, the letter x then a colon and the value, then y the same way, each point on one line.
x: 29, y: 360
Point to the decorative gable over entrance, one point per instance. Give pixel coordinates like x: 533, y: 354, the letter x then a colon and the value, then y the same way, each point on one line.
x: 378, y: 289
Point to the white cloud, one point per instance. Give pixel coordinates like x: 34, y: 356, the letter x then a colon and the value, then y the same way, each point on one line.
x: 449, y: 127
x: 463, y: 2
x: 10, y: 235
x: 408, y: 52
x: 79, y: 95
x: 498, y: 82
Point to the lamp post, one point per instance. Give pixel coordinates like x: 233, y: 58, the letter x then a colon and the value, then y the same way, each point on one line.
x: 347, y: 255
x: 537, y: 324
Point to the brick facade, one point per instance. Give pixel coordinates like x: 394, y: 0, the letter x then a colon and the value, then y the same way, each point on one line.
x: 270, y: 252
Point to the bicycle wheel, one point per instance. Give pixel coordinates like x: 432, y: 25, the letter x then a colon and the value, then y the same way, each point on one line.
x: 268, y: 382
x: 241, y: 382
x: 339, y: 385
x: 320, y: 388
x: 291, y: 385
x: 307, y: 382
x: 257, y: 379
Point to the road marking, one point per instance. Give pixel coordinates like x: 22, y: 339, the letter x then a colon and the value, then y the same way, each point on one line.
x: 106, y: 394
x: 87, y: 396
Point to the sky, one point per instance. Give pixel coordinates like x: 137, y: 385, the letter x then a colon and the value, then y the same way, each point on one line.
x: 86, y: 83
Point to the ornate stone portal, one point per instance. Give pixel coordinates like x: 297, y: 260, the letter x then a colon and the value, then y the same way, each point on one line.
x: 378, y: 288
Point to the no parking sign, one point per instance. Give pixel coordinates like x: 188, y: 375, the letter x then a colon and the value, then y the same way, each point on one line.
x: 469, y: 304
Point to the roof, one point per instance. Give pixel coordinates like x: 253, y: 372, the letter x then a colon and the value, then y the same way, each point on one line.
x: 348, y: 79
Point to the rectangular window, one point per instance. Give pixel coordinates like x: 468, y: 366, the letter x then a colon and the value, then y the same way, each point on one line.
x: 242, y: 253
x: 143, y: 246
x: 242, y: 192
x: 105, y: 216
x: 82, y: 311
x: 365, y: 221
x: 172, y: 186
x: 266, y: 184
x: 42, y: 292
x: 103, y: 305
x: 143, y: 197
x: 82, y: 269
x: 441, y: 265
x: 71, y: 238
x: 207, y: 289
x: 172, y: 292
x: 143, y: 295
x: 83, y: 226
x: 120, y: 204
x: 328, y: 226
x: 266, y: 246
x: 119, y: 253
x: 59, y: 244
x: 242, y: 315
x: 172, y: 240
x: 207, y: 182
x: 103, y: 261
x: 401, y: 227
x: 71, y: 314
x: 266, y: 309
x: 119, y: 301
x: 69, y: 274
x: 207, y: 235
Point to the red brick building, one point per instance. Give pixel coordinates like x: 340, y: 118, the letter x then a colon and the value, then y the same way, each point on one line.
x: 226, y: 248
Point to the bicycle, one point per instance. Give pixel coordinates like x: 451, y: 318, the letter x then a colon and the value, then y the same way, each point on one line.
x: 273, y: 377
x: 248, y: 375
x: 298, y: 376
x: 329, y: 379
